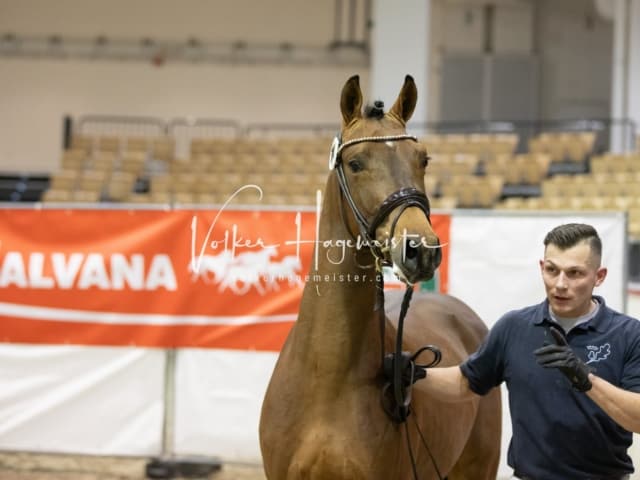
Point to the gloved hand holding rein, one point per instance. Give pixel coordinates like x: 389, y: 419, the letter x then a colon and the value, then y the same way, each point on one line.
x: 561, y: 356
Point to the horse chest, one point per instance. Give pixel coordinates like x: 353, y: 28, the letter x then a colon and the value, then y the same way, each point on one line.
x: 330, y: 451
x: 340, y: 434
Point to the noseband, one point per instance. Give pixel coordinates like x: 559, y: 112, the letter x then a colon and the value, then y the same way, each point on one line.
x: 404, y: 198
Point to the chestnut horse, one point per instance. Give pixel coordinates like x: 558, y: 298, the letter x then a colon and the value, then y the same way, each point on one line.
x: 322, y: 416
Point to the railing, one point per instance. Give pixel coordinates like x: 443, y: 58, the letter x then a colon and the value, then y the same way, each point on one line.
x: 120, y: 125
x: 617, y: 135
x: 184, y: 130
x: 275, y: 130
x: 611, y: 134
x: 192, y: 51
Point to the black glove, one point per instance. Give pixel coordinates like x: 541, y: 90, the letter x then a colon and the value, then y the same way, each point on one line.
x: 561, y: 356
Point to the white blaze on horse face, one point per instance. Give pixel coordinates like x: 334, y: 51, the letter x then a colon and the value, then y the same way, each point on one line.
x: 390, y: 144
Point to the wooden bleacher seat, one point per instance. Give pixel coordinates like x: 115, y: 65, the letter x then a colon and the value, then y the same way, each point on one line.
x: 140, y: 145
x: 92, y: 181
x: 159, y: 197
x: 86, y: 196
x: 120, y: 186
x: 209, y: 198
x: 139, y: 198
x: 73, y: 159
x: 634, y: 221
x: 266, y: 162
x: 184, y: 183
x: 163, y: 149
x: 222, y: 162
x: 275, y: 199
x: 64, y: 180
x: 102, y: 162
x: 110, y: 143
x: 54, y: 195
x: 431, y: 185
x: 84, y: 143
x: 183, y: 197
x: 511, y: 203
x: 474, y: 191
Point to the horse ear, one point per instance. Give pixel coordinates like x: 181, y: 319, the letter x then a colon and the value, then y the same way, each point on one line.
x: 351, y: 100
x: 406, y: 101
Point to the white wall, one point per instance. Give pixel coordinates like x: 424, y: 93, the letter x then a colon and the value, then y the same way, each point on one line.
x: 36, y: 94
x: 572, y: 84
x: 625, y: 97
x: 575, y: 47
x: 459, y: 28
x: 399, y: 47
x: 220, y: 20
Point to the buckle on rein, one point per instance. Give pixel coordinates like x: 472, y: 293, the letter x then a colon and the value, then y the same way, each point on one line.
x: 396, y: 401
x: 399, y: 409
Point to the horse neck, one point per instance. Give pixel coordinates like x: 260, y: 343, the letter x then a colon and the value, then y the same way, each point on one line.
x: 337, y: 319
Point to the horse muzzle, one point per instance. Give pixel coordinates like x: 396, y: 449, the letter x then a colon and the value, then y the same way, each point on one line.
x: 415, y: 258
x: 415, y: 251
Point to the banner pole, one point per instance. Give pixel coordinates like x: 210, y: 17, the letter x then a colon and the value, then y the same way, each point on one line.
x: 168, y: 465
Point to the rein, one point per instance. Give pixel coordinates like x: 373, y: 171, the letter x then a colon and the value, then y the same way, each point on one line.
x: 399, y: 368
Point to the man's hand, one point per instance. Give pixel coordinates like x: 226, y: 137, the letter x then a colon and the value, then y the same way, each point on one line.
x: 561, y: 356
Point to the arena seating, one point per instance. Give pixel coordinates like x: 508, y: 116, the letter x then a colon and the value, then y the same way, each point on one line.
x: 559, y: 171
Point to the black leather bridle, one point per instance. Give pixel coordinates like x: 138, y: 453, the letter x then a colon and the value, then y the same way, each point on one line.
x: 400, y: 369
x: 404, y: 198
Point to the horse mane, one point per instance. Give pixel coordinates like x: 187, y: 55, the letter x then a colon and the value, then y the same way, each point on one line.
x: 374, y: 111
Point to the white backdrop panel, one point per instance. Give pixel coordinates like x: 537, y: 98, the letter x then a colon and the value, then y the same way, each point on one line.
x: 493, y: 263
x: 88, y: 400
x: 493, y: 267
x: 218, y: 399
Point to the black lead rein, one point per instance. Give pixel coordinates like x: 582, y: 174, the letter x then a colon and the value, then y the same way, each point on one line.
x: 401, y: 371
x: 399, y: 368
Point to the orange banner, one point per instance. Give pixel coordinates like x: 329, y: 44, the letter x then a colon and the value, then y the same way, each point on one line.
x: 153, y: 278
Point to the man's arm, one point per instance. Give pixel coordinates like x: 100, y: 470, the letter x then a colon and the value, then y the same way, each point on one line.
x: 447, y: 383
x: 621, y: 405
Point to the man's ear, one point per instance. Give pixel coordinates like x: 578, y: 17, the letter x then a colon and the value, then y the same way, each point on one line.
x: 601, y: 274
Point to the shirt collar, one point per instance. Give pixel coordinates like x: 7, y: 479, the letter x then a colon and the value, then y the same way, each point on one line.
x: 599, y: 323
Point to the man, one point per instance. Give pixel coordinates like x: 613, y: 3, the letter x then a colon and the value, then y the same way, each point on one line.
x: 572, y: 369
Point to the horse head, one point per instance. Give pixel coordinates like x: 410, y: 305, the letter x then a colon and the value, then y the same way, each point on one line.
x: 380, y: 170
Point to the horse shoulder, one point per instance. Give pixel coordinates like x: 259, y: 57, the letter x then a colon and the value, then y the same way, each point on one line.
x: 441, y: 320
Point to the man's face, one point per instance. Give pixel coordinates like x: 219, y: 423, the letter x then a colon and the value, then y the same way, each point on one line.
x: 569, y: 278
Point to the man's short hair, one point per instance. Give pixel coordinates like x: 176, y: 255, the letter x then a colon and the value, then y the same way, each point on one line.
x: 570, y: 234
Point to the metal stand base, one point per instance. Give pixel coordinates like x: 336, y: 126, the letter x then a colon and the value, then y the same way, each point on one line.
x: 187, y: 467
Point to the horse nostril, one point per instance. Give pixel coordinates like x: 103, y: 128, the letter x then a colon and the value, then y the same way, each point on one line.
x: 410, y: 250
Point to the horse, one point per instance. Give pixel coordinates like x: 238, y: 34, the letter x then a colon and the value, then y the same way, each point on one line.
x: 326, y: 414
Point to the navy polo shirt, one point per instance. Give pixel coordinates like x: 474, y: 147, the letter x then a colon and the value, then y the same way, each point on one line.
x: 558, y: 433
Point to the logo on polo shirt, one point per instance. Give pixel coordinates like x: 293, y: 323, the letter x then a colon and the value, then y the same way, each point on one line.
x: 595, y: 354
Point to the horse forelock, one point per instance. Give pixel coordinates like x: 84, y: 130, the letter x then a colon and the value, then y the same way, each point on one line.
x: 375, y: 111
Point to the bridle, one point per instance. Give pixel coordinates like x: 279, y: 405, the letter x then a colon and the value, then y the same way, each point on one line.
x: 405, y: 197
x: 400, y: 369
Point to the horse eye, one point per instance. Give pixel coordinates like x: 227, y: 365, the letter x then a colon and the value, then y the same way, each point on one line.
x: 356, y: 166
x: 425, y: 161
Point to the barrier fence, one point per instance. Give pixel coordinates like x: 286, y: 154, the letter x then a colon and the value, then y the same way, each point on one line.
x: 97, y: 304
